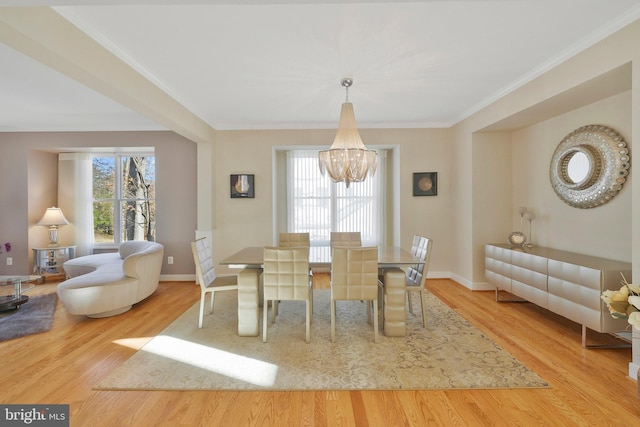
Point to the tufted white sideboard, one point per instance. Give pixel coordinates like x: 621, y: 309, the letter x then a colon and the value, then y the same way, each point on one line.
x: 565, y: 283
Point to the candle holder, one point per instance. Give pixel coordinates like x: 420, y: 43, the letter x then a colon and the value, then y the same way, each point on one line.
x: 529, y: 216
x: 521, y: 212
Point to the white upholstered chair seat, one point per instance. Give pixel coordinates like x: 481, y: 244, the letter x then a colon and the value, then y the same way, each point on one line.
x: 209, y: 282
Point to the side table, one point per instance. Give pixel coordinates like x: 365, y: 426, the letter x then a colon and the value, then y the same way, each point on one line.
x: 12, y: 288
x: 48, y: 261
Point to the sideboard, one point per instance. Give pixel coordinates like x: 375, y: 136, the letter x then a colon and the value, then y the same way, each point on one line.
x: 566, y: 283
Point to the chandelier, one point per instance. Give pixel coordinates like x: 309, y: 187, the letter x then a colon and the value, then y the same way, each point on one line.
x: 347, y: 160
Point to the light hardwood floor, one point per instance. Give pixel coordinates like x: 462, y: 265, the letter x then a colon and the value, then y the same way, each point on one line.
x: 588, y: 387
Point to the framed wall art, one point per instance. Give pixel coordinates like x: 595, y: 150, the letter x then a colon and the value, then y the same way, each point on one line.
x: 242, y: 186
x: 425, y: 183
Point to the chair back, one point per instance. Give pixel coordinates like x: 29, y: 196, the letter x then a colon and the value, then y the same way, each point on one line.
x: 292, y: 240
x: 416, y: 276
x: 415, y: 244
x: 346, y: 239
x: 354, y: 273
x: 286, y: 273
x: 205, y: 271
x: 419, y: 246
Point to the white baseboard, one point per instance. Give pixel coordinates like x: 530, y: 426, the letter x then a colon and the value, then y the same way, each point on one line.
x: 473, y: 286
x: 633, y: 370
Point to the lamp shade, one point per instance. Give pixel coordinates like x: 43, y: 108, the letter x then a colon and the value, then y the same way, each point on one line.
x: 53, y: 216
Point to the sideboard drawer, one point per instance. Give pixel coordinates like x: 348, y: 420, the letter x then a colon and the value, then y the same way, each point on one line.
x: 530, y: 262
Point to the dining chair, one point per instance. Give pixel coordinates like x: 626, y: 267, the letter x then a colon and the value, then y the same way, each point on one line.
x: 417, y: 276
x: 210, y: 283
x: 346, y: 239
x: 294, y: 240
x: 286, y: 278
x: 290, y: 240
x: 354, y: 276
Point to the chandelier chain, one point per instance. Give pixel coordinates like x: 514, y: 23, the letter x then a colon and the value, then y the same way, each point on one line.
x: 346, y: 83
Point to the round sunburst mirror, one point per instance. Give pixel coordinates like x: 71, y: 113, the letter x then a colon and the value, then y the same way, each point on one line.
x: 589, y: 166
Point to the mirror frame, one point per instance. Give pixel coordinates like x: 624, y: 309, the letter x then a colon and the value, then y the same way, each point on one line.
x: 609, y: 164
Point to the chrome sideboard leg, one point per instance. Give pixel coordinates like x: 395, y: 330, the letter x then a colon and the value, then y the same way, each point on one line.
x: 585, y: 344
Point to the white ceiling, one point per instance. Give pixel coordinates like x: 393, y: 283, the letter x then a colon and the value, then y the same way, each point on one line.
x: 278, y: 64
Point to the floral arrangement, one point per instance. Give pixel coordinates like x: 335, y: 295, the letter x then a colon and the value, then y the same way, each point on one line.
x: 624, y: 303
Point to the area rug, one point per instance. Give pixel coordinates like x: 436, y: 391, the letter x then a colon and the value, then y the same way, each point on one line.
x: 449, y: 354
x: 33, y: 317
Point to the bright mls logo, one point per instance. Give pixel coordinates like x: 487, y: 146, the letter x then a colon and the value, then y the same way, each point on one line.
x: 34, y: 415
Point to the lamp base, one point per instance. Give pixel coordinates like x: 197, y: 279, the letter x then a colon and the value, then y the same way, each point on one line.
x: 53, y: 236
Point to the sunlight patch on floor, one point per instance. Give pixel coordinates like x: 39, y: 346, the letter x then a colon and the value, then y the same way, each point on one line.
x: 222, y: 362
x: 134, y: 343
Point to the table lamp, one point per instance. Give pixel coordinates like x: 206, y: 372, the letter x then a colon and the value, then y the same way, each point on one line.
x: 53, y: 218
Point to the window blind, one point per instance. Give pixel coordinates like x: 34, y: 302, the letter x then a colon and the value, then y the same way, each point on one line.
x: 317, y: 206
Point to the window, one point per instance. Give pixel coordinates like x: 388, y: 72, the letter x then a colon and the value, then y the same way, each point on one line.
x: 123, y: 198
x: 318, y: 206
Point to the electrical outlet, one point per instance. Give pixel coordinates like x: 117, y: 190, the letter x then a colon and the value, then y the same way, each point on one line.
x: 9, y: 261
x: 170, y: 260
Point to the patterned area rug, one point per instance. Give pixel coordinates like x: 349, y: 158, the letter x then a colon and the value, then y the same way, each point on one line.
x: 449, y: 354
x: 33, y: 317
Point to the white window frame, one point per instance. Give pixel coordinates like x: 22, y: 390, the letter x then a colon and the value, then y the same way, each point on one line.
x: 118, y: 196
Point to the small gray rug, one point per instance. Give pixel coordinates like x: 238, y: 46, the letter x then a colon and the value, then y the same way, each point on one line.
x: 449, y: 354
x: 33, y: 317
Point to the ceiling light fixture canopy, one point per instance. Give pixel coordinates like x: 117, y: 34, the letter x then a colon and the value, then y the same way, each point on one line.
x: 347, y: 160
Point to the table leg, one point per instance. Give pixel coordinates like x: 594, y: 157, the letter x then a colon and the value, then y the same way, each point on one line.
x: 395, y: 311
x: 248, y: 297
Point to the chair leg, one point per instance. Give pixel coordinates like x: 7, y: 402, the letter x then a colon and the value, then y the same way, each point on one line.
x: 375, y: 321
x: 424, y: 308
x: 333, y: 320
x: 381, y: 301
x: 409, y: 299
x: 308, y: 322
x: 203, y: 297
x: 265, y: 310
x: 213, y: 295
x: 274, y: 310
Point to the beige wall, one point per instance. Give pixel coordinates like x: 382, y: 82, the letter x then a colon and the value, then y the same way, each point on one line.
x: 492, y: 192
x: 14, y: 217
x: 42, y: 171
x: 599, y: 85
x: 604, y: 231
x: 250, y: 222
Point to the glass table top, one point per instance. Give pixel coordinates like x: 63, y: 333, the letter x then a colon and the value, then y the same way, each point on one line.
x: 11, y: 289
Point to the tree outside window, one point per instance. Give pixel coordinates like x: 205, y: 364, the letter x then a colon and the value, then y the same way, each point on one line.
x: 123, y: 198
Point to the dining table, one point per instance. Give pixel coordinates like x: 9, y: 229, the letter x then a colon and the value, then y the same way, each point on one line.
x: 391, y: 260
